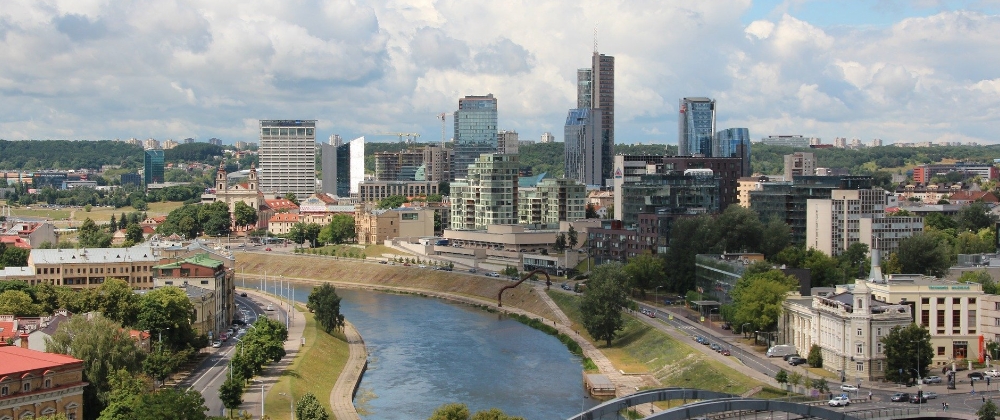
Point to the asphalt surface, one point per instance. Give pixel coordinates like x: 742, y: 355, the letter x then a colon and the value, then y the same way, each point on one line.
x: 213, y: 371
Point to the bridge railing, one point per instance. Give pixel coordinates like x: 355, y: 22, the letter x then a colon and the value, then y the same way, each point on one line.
x: 878, y: 413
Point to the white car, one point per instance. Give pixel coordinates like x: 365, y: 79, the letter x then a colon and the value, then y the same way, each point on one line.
x: 848, y: 388
x: 841, y: 401
x: 216, y: 344
x: 270, y: 307
x: 992, y: 372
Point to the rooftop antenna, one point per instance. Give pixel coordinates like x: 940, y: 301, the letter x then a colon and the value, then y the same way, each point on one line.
x: 595, y: 39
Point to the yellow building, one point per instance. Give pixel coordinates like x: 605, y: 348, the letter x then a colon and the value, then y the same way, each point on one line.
x: 35, y: 384
x: 88, y: 267
x: 373, y: 226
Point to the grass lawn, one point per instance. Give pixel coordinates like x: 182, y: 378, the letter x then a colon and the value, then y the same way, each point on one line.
x: 640, y: 348
x: 61, y: 217
x: 370, y: 251
x: 315, y: 370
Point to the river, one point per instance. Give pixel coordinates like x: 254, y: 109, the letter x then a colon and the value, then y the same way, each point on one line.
x: 425, y: 352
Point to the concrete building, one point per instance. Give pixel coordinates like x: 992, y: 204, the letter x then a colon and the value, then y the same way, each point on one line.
x: 852, y: 216
x: 924, y: 173
x: 437, y: 165
x: 288, y: 157
x: 374, y: 226
x: 548, y: 138
x: 929, y: 193
x: 169, y: 144
x: 398, y: 166
x: 507, y: 142
x: 753, y: 183
x: 786, y: 140
x: 475, y: 131
x: 374, y: 191
x: 696, y: 126
x: 728, y: 170
x: 552, y: 201
x: 34, y: 234
x: 489, y: 196
x: 88, y: 267
x: 800, y: 164
x: 209, y: 285
x: 787, y: 201
x: 582, y: 151
x: 35, y: 384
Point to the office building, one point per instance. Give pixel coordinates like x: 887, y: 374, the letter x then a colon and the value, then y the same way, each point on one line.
x: 287, y: 155
x: 489, y: 194
x: 690, y: 191
x: 727, y: 170
x: 734, y: 143
x: 787, y: 140
x: 550, y: 202
x: 603, y: 98
x: 923, y: 174
x: 583, y: 151
x: 373, y: 191
x: 152, y: 166
x: 548, y: 138
x: 131, y: 179
x: 787, y: 200
x: 475, y: 131
x: 800, y: 164
x: 507, y: 142
x: 696, y: 126
x: 343, y: 167
x: 88, y: 267
x: 852, y: 216
x: 398, y: 166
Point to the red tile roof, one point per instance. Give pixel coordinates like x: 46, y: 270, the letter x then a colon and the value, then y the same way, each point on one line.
x: 985, y: 196
x: 7, y: 330
x: 16, y: 360
x: 16, y: 241
x: 280, y: 204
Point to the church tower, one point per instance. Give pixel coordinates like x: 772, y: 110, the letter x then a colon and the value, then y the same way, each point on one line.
x: 252, y: 178
x: 221, y: 184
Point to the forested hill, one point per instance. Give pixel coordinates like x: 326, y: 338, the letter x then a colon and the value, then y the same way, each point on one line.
x: 769, y: 159
x: 64, y: 154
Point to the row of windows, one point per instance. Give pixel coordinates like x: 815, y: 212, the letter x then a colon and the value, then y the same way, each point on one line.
x: 93, y: 270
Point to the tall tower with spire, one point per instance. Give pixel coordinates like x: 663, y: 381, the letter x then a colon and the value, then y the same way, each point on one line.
x: 221, y: 181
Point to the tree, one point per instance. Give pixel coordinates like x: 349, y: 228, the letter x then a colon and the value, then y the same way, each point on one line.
x: 434, y: 198
x: 974, y: 217
x: 940, y: 221
x: 982, y: 277
x: 795, y: 379
x: 775, y: 237
x: 309, y: 408
x: 494, y: 414
x: 757, y: 299
x: 112, y: 225
x: 590, y: 212
x: 244, y: 215
x: 12, y: 256
x: 117, y: 301
x: 161, y: 363
x: 739, y: 229
x: 122, y: 399
x: 325, y: 303
x: 903, y: 346
x: 645, y: 271
x: 453, y: 411
x: 339, y: 230
x: 604, y: 299
x: 815, y: 358
x: 572, y: 237
x: 781, y: 377
x: 924, y: 253
x: 297, y: 233
x: 231, y: 393
x: 18, y: 303
x: 311, y: 232
x: 988, y: 411
x: 392, y: 202
x: 852, y: 260
x: 171, y: 404
x: 824, y: 269
x: 215, y: 218
x: 91, y: 236
x: 560, y: 243
x: 104, y: 346
x: 291, y: 197
x: 167, y: 312
x: 821, y: 385
x: 133, y: 233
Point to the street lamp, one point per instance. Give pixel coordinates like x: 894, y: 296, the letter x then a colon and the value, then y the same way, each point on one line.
x: 161, y: 334
x: 743, y: 329
x: 291, y: 403
x: 656, y: 295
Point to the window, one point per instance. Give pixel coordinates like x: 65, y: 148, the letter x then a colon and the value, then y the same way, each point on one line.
x: 925, y: 317
x: 940, y: 318
x: 878, y: 348
x: 956, y: 318
x: 940, y: 301
x: 860, y: 348
x: 3, y: 391
x: 878, y: 331
x: 27, y: 386
x: 48, y: 382
x: 860, y: 333
x: 861, y: 366
x: 940, y: 351
x: 410, y: 216
x: 925, y: 301
x: 956, y: 301
x: 879, y: 365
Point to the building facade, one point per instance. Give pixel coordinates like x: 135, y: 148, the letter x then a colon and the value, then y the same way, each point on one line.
x: 489, y: 197
x: 374, y: 226
x: 800, y: 164
x: 89, y: 267
x: 696, y: 126
x: 787, y: 201
x: 852, y: 216
x: 734, y: 143
x: 35, y: 384
x: 582, y: 151
x: 475, y: 131
x: 212, y: 289
x: 373, y: 191
x: 552, y: 201
x: 287, y: 155
x: 507, y: 142
x: 787, y: 140
x: 152, y: 166
x: 603, y: 97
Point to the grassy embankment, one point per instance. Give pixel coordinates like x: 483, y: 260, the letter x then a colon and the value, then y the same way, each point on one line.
x: 99, y: 215
x: 315, y: 369
x: 359, y: 274
x: 370, y: 251
x: 642, y: 348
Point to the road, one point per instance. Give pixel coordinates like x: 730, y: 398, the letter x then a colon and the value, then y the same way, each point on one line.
x: 211, y: 373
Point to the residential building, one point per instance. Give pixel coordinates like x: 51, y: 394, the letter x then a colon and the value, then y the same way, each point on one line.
x: 583, y: 158
x: 753, y: 183
x: 851, y: 216
x: 152, y: 167
x: 601, y: 198
x: 287, y: 155
x: 169, y: 144
x: 151, y: 144
x: 969, y: 197
x: 43, y: 329
x: 89, y: 267
x: 734, y: 143
x: 374, y: 226
x: 800, y: 164
x: 437, y: 163
x: 35, y: 384
x: 33, y: 234
x: 547, y: 137
x: 924, y: 173
x: 507, y: 142
x: 475, y: 131
x: 208, y: 283
x: 552, y: 201
x: 281, y: 223
x: 696, y: 128
x: 215, y: 141
x: 787, y: 201
x: 489, y: 196
x: 786, y: 140
x: 929, y: 193
x: 613, y: 242
x: 374, y: 191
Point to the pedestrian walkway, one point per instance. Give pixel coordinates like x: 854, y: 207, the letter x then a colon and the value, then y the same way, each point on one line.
x: 342, y: 395
x: 257, y: 390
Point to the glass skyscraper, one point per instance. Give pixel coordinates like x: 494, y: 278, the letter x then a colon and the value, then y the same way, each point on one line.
x: 734, y: 142
x: 582, y: 150
x: 152, y: 165
x: 696, y: 126
x: 475, y: 131
x: 587, y: 160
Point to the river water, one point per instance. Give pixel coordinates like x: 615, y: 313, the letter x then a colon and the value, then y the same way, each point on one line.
x: 425, y: 352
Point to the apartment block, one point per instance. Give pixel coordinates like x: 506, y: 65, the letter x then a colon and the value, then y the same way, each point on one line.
x: 489, y: 196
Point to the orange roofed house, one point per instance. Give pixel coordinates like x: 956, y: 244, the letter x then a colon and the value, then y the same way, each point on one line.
x: 35, y: 384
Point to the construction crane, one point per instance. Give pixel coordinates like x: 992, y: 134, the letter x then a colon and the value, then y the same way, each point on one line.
x: 410, y: 137
x: 442, y: 117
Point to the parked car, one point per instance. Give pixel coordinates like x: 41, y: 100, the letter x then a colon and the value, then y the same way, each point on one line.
x: 918, y: 399
x: 848, y: 388
x: 976, y: 376
x: 900, y: 397
x: 383, y: 262
x: 267, y: 249
x: 216, y: 344
x: 795, y: 361
x: 791, y: 356
x: 840, y: 401
x: 930, y: 395
x: 726, y: 326
x: 472, y: 270
x: 725, y: 352
x: 992, y: 373
x: 270, y: 307
x: 716, y: 347
x: 932, y: 380
x: 244, y: 294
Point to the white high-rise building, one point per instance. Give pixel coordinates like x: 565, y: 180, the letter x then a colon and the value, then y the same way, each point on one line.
x: 507, y: 142
x: 850, y: 216
x: 547, y: 137
x: 288, y: 157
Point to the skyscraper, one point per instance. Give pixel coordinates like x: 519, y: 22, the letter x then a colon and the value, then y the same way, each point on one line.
x: 582, y: 150
x: 343, y: 167
x: 152, y: 166
x: 696, y: 126
x: 475, y: 131
x: 288, y: 157
x: 734, y: 142
x: 603, y: 97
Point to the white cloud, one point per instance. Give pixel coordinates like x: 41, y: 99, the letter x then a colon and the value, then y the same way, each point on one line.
x: 181, y: 68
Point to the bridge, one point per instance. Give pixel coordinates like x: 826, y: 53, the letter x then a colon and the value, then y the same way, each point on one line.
x: 711, y: 404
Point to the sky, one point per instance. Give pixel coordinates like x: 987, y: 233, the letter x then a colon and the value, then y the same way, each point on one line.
x: 901, y: 71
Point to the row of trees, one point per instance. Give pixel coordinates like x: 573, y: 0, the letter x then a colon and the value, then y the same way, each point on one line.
x: 340, y: 230
x: 261, y: 345
x: 191, y: 220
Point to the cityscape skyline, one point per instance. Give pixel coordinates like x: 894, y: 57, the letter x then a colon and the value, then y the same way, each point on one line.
x: 884, y: 70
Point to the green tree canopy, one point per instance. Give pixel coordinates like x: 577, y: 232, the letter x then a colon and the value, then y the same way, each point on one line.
x: 974, y: 217
x: 167, y: 311
x: 291, y: 197
x: 91, y: 236
x: 244, y: 215
x: 603, y: 300
x: 117, y: 301
x: 325, y: 304
x: 987, y: 411
x: 925, y: 253
x: 392, y: 202
x: 309, y: 408
x: 339, y: 230
x: 645, y: 272
x: 18, y: 303
x: 982, y: 277
x: 757, y: 299
x: 904, y: 345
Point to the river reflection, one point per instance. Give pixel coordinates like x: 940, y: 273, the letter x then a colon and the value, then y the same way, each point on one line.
x: 426, y: 352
